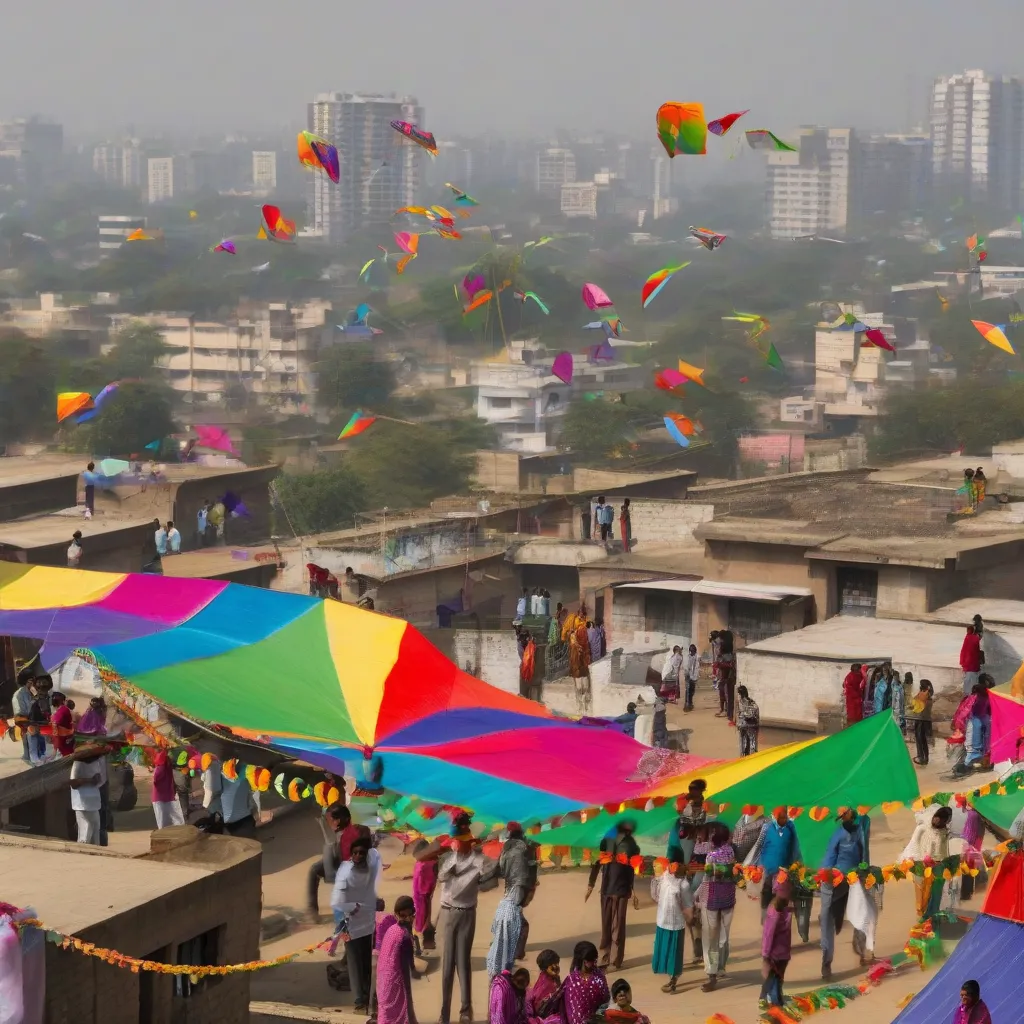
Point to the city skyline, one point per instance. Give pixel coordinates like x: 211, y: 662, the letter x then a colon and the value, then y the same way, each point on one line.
x: 526, y: 75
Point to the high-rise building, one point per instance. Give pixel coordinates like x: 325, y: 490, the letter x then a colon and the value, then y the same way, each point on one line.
x: 809, y: 190
x: 894, y: 175
x: 264, y: 170
x: 579, y: 199
x: 663, y: 202
x: 161, y: 178
x: 133, y: 164
x: 32, y: 148
x: 977, y: 129
x: 380, y: 169
x: 106, y: 163
x: 555, y: 168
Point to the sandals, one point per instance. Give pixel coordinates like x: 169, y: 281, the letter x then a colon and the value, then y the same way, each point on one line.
x: 669, y: 987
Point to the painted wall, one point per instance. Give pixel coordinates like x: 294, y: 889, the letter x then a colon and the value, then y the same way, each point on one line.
x: 489, y: 655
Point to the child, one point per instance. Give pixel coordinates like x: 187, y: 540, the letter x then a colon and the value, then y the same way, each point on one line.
x: 424, y: 881
x: 671, y: 891
x: 622, y: 1010
x: 544, y: 1000
x: 776, y: 945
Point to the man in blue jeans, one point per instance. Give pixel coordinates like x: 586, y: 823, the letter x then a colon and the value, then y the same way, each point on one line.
x: 847, y: 849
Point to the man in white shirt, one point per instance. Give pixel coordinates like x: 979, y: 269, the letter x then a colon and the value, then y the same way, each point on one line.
x: 173, y: 539
x: 239, y: 806
x: 160, y: 538
x: 354, y: 901
x: 86, y: 779
x: 691, y: 672
x: 670, y: 675
x: 75, y: 550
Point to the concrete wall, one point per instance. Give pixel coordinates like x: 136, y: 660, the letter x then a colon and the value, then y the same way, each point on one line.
x: 497, y: 471
x: 84, y: 990
x: 34, y: 497
x: 125, y: 550
x: 606, y: 699
x: 489, y: 655
x: 657, y: 523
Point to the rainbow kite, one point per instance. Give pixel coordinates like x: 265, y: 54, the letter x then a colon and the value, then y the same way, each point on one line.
x: 721, y: 125
x: 681, y: 128
x: 318, y: 154
x: 994, y: 334
x: 71, y: 402
x: 216, y: 652
x: 360, y: 421
x: 653, y: 285
x: 761, y: 138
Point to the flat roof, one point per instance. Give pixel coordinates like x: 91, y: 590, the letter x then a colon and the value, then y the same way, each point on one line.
x: 721, y: 588
x: 992, y: 610
x: 104, y: 884
x: 15, y: 476
x: 794, y: 532
x: 56, y: 528
x: 685, y: 561
x: 206, y: 563
x: 923, y: 551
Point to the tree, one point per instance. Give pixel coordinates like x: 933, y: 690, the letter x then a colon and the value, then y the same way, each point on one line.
x: 407, y: 467
x: 350, y: 377
x: 137, y: 352
x: 594, y: 428
x: 324, y: 500
x: 28, y: 388
x: 138, y: 414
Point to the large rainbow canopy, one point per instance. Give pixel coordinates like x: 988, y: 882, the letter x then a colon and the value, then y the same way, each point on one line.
x: 329, y: 683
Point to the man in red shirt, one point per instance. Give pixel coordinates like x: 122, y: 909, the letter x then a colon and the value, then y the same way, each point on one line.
x: 62, y: 725
x: 971, y: 659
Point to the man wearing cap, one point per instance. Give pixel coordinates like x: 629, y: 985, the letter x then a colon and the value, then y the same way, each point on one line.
x: 847, y: 849
x: 617, y: 877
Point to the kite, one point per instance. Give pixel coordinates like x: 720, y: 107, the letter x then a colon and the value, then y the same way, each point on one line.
x: 98, y: 403
x: 447, y: 232
x: 192, y: 214
x: 611, y: 325
x: 653, y: 285
x: 407, y: 241
x: 259, y: 269
x: 669, y: 379
x: 601, y: 353
x: 360, y: 421
x: 562, y: 367
x: 694, y: 373
x: 595, y: 297
x: 773, y: 359
x: 521, y: 296
x: 445, y: 216
x: 760, y: 323
x: 111, y: 468
x: 414, y: 211
x: 215, y: 438
x: 138, y: 235
x: 356, y: 323
x: 417, y: 135
x: 711, y: 240
x: 681, y: 129
x: 275, y: 225
x: 674, y: 424
x: 543, y: 240
x: 480, y: 299
x: 318, y: 154
x: 761, y: 138
x: 994, y: 334
x: 474, y: 284
x: 461, y: 198
x: 226, y: 246
x: 721, y: 125
x: 216, y: 652
x: 71, y: 402
x: 878, y: 339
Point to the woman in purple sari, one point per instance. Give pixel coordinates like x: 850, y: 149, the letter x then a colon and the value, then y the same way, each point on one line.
x: 586, y: 988
x: 394, y: 967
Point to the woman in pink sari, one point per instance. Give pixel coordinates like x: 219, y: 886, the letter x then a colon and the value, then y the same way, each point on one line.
x: 506, y: 1001
x: 544, y: 1000
x: 424, y: 881
x: 394, y: 968
x: 586, y: 988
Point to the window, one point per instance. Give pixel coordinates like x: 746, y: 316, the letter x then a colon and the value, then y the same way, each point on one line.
x: 500, y: 403
x: 201, y: 951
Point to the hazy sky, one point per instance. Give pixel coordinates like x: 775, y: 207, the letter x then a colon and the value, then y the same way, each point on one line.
x: 523, y: 67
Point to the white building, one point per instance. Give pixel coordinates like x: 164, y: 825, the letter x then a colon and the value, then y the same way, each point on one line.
x: 264, y: 171
x: 579, y: 199
x: 160, y: 178
x: 555, y: 168
x: 114, y: 229
x: 106, y: 163
x: 809, y: 191
x: 663, y: 203
x: 977, y: 129
x: 380, y: 168
x: 133, y: 164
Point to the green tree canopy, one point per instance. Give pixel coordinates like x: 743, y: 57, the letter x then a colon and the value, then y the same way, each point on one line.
x: 324, y: 500
x: 350, y: 377
x: 28, y: 388
x: 138, y: 414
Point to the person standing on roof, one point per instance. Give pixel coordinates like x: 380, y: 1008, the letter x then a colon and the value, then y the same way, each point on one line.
x: 971, y: 658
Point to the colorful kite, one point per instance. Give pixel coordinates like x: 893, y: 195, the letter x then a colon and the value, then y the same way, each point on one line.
x: 761, y: 138
x: 275, y: 226
x: 480, y: 299
x: 71, y: 402
x: 407, y: 241
x: 669, y: 379
x: 721, y: 125
x: 760, y: 323
x: 681, y: 128
x: 562, y: 367
x: 357, y: 325
x: 878, y: 339
x: 318, y: 154
x: 215, y: 438
x: 675, y: 430
x: 138, y: 235
x: 653, y: 285
x: 99, y: 402
x: 473, y: 283
x: 521, y: 296
x: 709, y: 239
x: 994, y: 334
x: 595, y: 297
x: 417, y: 135
x: 603, y: 353
x: 694, y: 373
x: 773, y: 359
x: 360, y: 421
x: 216, y: 652
x: 226, y: 246
x: 461, y: 198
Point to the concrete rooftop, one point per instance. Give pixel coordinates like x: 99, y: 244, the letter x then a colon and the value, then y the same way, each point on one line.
x: 767, y: 531
x: 56, y: 528
x: 993, y: 611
